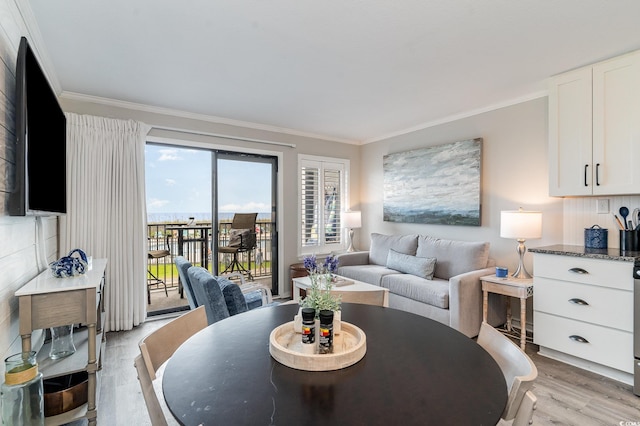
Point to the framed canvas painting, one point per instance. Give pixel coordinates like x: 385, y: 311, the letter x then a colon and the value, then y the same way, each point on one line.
x: 438, y: 185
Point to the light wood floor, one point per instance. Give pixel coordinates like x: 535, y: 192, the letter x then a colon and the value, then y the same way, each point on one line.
x: 566, y: 395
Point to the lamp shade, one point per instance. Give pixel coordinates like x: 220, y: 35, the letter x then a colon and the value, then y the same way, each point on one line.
x: 352, y: 219
x: 520, y: 224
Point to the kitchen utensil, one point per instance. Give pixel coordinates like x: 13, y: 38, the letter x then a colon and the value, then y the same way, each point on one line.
x: 635, y: 217
x: 624, y: 212
x: 619, y: 222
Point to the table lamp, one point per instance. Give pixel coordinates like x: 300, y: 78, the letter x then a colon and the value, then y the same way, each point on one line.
x: 351, y: 220
x: 521, y: 225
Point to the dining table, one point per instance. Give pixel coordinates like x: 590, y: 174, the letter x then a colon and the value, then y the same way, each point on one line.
x: 416, y: 371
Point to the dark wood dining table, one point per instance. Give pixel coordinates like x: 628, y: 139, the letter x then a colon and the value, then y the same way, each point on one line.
x: 416, y: 371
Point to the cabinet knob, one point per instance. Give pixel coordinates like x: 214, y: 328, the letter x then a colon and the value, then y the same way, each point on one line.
x: 577, y: 338
x: 577, y: 301
x: 578, y: 271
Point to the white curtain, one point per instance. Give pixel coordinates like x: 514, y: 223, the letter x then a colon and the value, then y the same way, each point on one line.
x: 106, y: 206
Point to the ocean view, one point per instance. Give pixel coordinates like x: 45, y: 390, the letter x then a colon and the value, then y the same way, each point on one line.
x: 199, y: 217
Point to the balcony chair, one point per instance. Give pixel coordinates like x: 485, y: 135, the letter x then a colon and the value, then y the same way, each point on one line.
x: 155, y: 350
x: 156, y: 255
x: 519, y: 373
x: 242, y: 240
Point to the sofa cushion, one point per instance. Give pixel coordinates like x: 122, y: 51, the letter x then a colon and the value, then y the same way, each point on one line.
x: 371, y: 274
x: 380, y: 245
x: 432, y: 292
x: 422, y: 267
x: 454, y: 257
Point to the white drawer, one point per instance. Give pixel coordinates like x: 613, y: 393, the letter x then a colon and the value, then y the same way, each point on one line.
x: 606, y: 346
x: 605, y: 273
x: 605, y: 306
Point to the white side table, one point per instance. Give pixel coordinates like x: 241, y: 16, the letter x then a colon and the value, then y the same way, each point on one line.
x: 513, y: 287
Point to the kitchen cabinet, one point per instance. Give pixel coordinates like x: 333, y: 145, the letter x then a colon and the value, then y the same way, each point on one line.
x: 583, y: 310
x: 47, y: 301
x: 594, y: 129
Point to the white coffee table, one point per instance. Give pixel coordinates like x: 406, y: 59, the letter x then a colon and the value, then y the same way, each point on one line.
x: 358, y: 292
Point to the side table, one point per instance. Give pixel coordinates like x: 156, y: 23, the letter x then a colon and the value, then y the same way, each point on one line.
x: 513, y: 287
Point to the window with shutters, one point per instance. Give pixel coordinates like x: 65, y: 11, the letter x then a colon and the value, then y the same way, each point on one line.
x: 322, y: 197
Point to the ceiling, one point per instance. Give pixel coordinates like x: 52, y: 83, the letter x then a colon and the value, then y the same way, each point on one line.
x: 348, y: 70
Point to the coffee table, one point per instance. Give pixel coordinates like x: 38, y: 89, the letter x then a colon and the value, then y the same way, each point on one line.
x: 356, y: 292
x: 416, y: 371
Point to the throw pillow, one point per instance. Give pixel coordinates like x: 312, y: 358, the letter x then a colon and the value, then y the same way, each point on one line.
x: 380, y: 245
x: 238, y: 236
x: 423, y: 267
x: 454, y: 257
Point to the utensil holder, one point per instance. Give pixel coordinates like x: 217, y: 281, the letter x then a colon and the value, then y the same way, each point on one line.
x: 629, y: 240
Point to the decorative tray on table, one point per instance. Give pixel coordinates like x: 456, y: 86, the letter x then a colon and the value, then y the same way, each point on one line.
x: 286, y: 347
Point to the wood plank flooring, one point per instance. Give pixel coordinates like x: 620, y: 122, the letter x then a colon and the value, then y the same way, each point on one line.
x: 566, y: 395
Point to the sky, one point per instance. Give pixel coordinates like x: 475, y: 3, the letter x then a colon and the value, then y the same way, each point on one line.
x: 178, y: 184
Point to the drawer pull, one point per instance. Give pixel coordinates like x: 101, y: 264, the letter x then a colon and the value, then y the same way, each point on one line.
x: 580, y: 302
x: 580, y: 339
x: 578, y: 271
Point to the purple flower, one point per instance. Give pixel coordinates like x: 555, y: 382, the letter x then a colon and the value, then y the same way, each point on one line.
x: 310, y: 263
x: 330, y: 264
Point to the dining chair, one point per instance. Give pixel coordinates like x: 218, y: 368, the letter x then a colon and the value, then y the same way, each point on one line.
x: 208, y: 293
x: 183, y: 266
x: 518, y: 370
x: 155, y: 349
x: 369, y: 297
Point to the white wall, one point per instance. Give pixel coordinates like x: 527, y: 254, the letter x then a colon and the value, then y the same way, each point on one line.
x: 514, y: 174
x: 18, y: 235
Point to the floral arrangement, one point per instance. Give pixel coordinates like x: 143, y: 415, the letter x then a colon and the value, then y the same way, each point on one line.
x: 319, y: 294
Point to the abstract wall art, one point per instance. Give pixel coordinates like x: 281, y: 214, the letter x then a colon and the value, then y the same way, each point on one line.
x: 437, y: 185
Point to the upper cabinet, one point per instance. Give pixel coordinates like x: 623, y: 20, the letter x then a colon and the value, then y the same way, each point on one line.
x: 594, y: 129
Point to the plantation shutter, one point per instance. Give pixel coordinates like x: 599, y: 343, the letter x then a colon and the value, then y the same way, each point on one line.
x: 322, y: 195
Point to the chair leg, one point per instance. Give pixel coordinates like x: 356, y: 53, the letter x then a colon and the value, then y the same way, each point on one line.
x: 235, y: 265
x: 157, y: 281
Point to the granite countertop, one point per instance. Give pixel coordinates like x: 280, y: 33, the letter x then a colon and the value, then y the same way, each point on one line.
x: 580, y: 251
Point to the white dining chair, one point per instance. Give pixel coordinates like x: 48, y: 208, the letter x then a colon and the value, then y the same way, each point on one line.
x: 519, y: 373
x: 156, y: 349
x: 367, y: 297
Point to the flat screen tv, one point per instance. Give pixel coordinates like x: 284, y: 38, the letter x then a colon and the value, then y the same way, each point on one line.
x: 40, y: 182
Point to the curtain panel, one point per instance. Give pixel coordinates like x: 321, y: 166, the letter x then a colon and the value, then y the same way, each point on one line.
x: 107, y: 211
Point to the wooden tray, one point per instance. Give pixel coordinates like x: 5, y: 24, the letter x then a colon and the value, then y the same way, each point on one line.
x: 349, y: 347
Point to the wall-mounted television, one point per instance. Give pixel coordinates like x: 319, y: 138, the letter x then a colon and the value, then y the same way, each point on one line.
x: 40, y: 182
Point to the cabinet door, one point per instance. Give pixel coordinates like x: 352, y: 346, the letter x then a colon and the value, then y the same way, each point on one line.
x: 570, y: 137
x: 616, y: 125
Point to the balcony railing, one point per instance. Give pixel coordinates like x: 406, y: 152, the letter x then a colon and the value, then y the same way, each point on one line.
x: 196, y: 244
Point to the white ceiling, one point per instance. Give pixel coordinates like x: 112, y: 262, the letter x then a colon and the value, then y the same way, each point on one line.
x: 350, y: 70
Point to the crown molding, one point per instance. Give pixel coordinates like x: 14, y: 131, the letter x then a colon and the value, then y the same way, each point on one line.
x: 36, y: 42
x: 195, y: 116
x: 466, y: 114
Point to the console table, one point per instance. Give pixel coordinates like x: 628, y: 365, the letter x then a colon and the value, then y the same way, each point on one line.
x: 47, y: 301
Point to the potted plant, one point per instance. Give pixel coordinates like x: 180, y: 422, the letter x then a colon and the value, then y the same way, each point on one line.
x: 319, y: 296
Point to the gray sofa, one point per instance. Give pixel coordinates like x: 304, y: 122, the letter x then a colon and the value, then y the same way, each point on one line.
x: 435, y: 278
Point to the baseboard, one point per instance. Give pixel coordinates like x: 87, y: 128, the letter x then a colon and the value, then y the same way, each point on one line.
x: 600, y: 369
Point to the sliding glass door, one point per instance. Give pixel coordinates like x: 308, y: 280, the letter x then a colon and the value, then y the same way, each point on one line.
x: 192, y: 195
x: 246, y: 183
